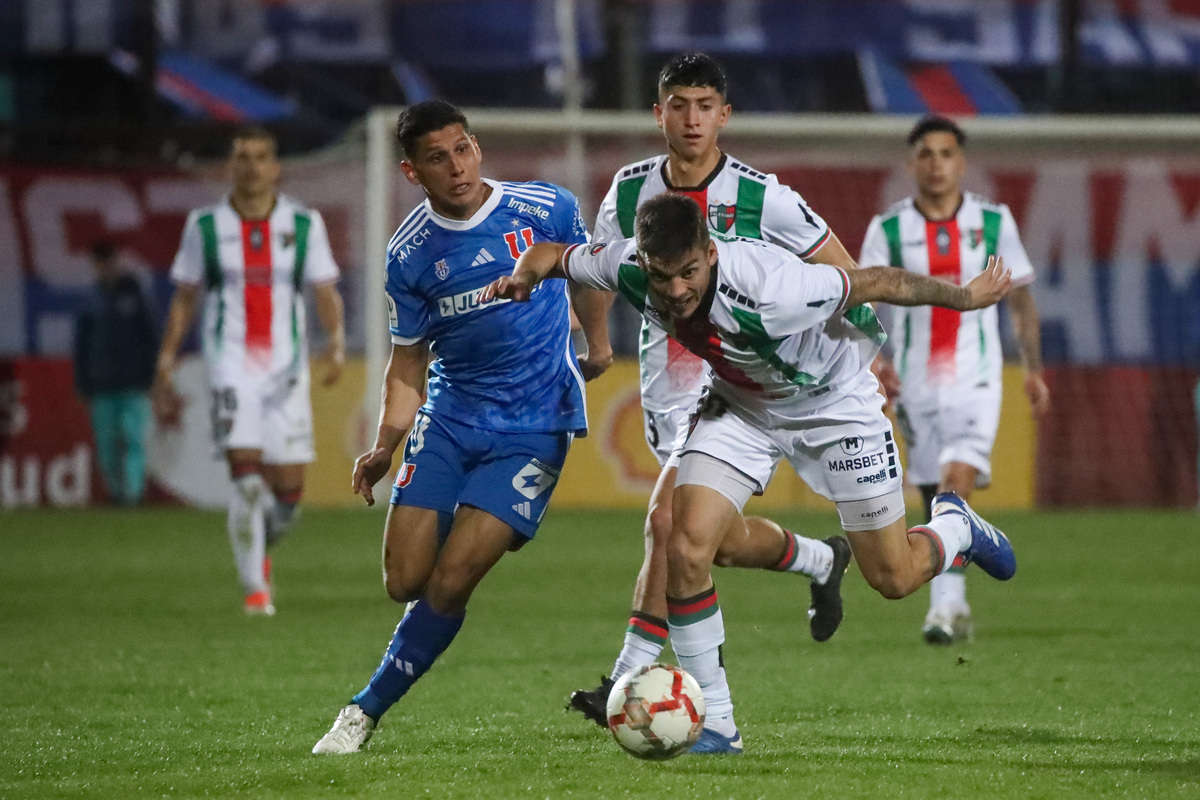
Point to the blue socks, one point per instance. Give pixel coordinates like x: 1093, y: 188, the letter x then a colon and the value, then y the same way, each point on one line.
x: 419, y: 639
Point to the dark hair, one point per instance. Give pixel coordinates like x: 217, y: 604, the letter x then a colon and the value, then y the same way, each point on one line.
x: 254, y: 132
x: 692, y: 69
x: 670, y: 225
x: 103, y: 250
x: 939, y: 125
x: 427, y: 117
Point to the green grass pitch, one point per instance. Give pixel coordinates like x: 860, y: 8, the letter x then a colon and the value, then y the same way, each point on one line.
x: 127, y: 669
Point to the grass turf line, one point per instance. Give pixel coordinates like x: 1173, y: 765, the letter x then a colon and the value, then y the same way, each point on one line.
x: 127, y: 669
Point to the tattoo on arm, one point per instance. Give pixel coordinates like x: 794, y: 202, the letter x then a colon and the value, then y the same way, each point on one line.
x: 903, y: 288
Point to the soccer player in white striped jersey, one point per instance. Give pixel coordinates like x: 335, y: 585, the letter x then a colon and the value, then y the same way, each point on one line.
x: 790, y: 380
x: 736, y: 200
x: 946, y: 365
x: 248, y: 259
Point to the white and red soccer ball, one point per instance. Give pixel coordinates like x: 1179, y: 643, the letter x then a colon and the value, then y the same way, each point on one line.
x: 656, y: 711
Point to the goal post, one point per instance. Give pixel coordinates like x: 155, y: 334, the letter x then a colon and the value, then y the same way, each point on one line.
x: 1108, y: 208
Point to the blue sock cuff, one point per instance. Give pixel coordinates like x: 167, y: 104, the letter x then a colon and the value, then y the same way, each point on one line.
x: 419, y: 639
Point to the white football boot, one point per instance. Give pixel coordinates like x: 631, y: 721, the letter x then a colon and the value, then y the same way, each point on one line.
x: 349, y: 733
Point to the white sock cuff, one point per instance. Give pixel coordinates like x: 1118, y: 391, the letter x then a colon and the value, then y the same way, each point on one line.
x: 698, y: 637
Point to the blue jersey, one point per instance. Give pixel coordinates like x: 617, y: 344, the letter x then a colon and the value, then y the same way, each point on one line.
x: 499, y: 366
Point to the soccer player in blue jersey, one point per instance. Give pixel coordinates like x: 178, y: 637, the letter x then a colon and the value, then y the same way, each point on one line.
x: 488, y: 434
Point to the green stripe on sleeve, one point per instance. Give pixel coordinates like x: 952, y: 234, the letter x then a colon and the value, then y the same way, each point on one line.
x: 627, y: 200
x: 891, y: 229
x: 214, y: 279
x: 748, y: 221
x: 212, y: 261
x: 631, y: 282
x: 991, y: 231
x: 303, y: 223
x: 991, y: 241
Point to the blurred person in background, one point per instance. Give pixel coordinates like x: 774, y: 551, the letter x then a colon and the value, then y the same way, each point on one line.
x: 248, y: 259
x: 115, y: 345
x: 945, y: 366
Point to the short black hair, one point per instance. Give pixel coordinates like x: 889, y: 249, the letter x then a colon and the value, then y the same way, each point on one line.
x: 692, y: 69
x: 103, y: 250
x: 937, y: 124
x: 254, y: 133
x: 668, y: 226
x: 426, y: 117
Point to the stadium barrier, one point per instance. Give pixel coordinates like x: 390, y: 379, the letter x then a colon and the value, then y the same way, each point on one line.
x: 1109, y: 210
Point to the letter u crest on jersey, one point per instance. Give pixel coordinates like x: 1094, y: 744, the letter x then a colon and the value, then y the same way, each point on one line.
x: 518, y: 241
x: 722, y: 217
x: 441, y: 269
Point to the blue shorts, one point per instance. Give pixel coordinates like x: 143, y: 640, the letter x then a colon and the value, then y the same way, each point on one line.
x: 509, y: 475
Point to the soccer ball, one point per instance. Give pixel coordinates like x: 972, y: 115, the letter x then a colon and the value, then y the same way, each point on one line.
x: 656, y: 711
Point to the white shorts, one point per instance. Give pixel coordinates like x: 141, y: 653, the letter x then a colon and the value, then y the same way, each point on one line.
x: 844, y: 452
x: 268, y: 414
x: 961, y: 428
x: 666, y: 431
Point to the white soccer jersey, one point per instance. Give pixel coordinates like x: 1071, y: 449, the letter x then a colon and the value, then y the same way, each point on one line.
x: 761, y: 327
x: 737, y: 200
x: 253, y: 273
x: 937, y: 349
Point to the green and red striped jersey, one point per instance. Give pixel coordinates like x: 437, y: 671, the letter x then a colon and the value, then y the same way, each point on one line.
x: 936, y: 349
x: 253, y: 273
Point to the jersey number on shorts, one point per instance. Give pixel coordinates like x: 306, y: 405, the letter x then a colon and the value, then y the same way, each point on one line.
x: 224, y: 404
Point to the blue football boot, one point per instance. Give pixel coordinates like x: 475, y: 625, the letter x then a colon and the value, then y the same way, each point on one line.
x: 990, y: 548
x: 713, y: 743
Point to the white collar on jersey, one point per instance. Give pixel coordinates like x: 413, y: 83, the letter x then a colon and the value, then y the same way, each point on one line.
x: 479, y: 216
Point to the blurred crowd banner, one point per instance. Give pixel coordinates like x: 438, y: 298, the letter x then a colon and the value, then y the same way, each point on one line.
x: 500, y: 35
x: 1115, y: 237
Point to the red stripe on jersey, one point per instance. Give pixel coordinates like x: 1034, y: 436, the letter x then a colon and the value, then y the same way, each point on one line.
x: 942, y: 245
x: 256, y: 253
x: 941, y: 91
x: 700, y: 196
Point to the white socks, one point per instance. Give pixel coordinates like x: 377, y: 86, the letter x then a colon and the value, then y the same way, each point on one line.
x: 948, y: 589
x: 697, y: 633
x: 635, y: 653
x: 811, y: 557
x: 247, y: 524
x: 954, y: 533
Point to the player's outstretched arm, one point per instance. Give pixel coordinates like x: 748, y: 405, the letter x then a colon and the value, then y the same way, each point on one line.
x: 542, y: 260
x: 591, y: 307
x: 903, y: 288
x: 403, y: 394
x: 332, y: 316
x: 164, y: 399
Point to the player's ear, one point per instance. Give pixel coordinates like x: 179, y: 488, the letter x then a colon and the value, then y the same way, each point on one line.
x: 658, y: 115
x: 411, y: 174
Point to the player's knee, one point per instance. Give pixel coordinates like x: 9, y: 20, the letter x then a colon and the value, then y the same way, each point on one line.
x: 726, y: 556
x: 400, y: 588
x: 687, y: 555
x: 889, y: 582
x: 403, y: 582
x: 448, y: 592
x: 249, y: 484
x: 658, y: 524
